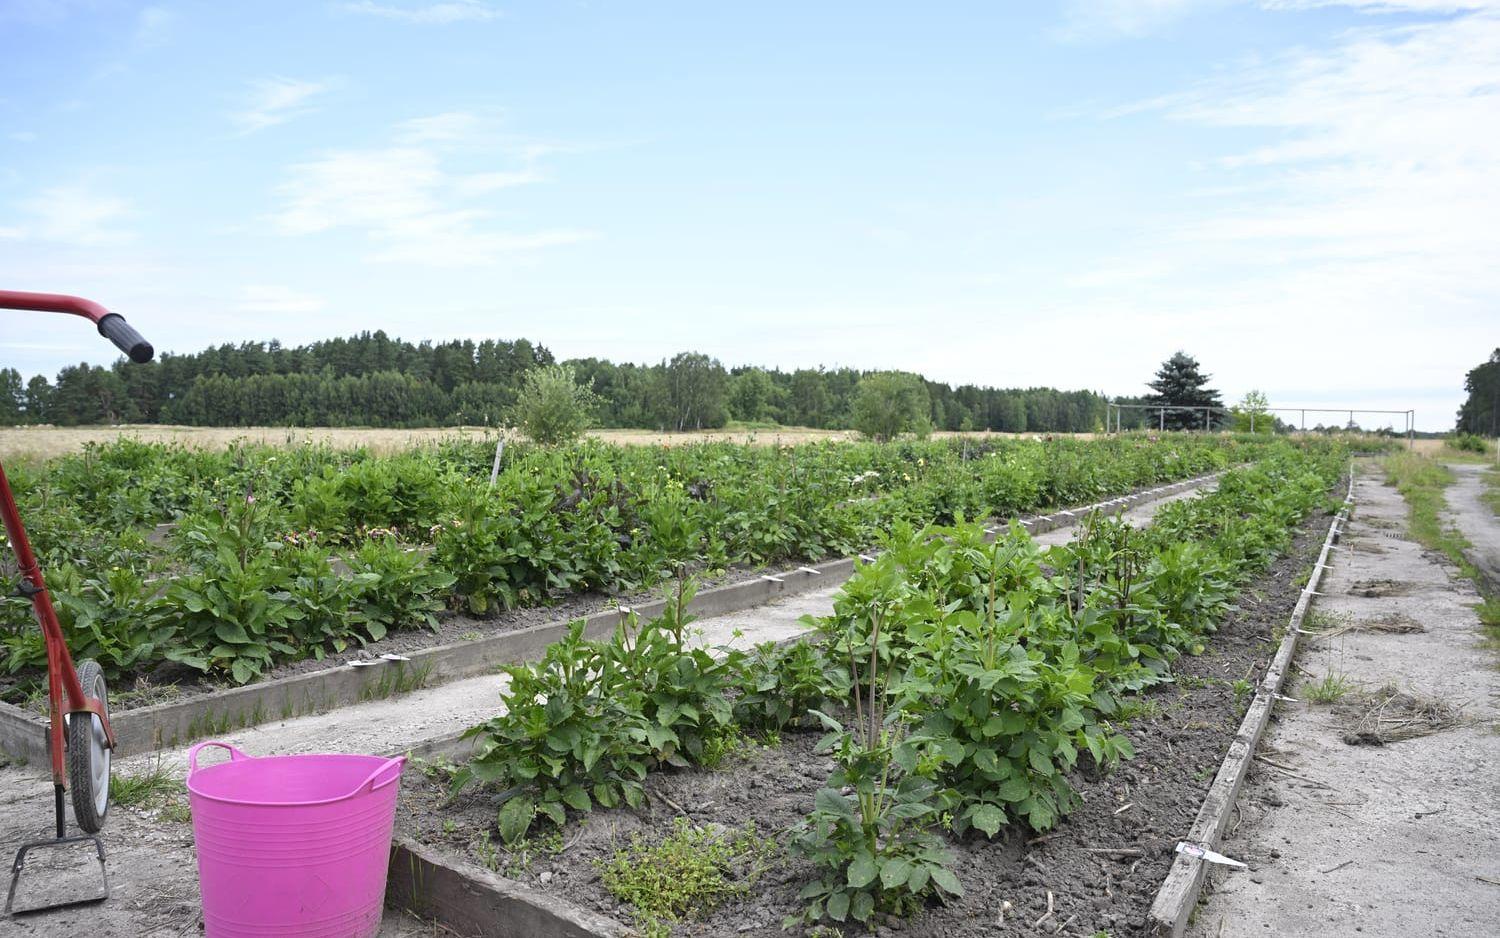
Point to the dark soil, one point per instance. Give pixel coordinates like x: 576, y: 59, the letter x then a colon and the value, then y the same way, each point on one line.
x: 1142, y: 808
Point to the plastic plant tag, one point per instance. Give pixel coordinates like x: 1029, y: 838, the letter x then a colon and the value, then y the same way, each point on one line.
x: 1203, y: 853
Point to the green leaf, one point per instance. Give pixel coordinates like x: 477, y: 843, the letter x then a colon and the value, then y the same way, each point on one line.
x: 554, y: 811
x: 861, y: 872
x: 1014, y: 789
x: 576, y: 798
x: 232, y: 633
x: 515, y: 818
x: 988, y: 818
x: 829, y: 801
x: 894, y: 872
x: 1040, y: 760
x: 946, y: 881
x: 838, y: 906
x: 862, y: 906
x: 918, y: 879
x: 244, y: 672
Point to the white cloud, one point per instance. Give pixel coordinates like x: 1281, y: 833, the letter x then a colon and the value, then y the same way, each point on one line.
x: 72, y: 214
x: 450, y: 11
x: 439, y: 128
x: 1386, y: 6
x: 475, y: 184
x: 408, y: 203
x: 1085, y: 20
x: 273, y: 101
x: 277, y: 299
x: 1363, y: 227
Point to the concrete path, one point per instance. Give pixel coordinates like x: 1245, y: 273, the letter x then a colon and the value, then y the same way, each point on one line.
x: 1397, y: 840
x: 1476, y: 521
x: 152, y: 861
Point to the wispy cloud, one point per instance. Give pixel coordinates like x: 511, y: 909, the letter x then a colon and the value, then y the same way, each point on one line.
x: 1089, y: 20
x: 1086, y: 20
x: 267, y: 298
x: 439, y: 128
x: 449, y: 11
x: 409, y: 202
x: 72, y: 214
x: 1366, y: 219
x: 276, y: 100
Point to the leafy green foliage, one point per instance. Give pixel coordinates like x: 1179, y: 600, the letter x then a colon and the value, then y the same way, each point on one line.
x: 876, y: 849
x: 275, y: 554
x: 890, y: 403
x: 573, y: 734
x: 782, y: 683
x: 585, y: 724
x: 553, y: 407
x: 687, y: 873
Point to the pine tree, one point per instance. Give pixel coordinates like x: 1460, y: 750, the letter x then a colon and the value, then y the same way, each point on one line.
x: 1179, y: 383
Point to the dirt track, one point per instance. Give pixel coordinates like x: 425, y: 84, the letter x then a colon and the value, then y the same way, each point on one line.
x: 1391, y: 840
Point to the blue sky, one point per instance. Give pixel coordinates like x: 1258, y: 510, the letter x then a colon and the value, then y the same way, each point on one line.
x: 1301, y: 193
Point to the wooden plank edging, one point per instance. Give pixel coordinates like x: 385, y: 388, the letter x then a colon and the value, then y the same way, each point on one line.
x: 1178, y: 895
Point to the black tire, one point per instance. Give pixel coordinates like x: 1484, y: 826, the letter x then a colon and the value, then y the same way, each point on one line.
x: 88, y: 756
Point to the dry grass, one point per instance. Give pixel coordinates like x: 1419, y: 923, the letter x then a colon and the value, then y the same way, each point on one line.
x: 1390, y: 715
x: 1394, y: 623
x: 45, y: 442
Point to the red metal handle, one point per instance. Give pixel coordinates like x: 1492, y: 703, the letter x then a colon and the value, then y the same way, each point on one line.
x: 52, y: 303
x: 111, y: 325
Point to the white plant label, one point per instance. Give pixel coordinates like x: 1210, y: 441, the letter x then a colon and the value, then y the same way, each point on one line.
x: 1203, y: 853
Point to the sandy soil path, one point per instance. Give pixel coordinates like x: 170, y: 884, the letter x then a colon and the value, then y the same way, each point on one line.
x: 1476, y: 521
x: 1390, y: 840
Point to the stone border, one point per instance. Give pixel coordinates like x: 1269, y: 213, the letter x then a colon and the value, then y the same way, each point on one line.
x: 1178, y: 896
x: 161, y: 726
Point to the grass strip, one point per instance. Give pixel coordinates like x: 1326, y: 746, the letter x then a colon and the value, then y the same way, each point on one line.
x: 1421, y: 481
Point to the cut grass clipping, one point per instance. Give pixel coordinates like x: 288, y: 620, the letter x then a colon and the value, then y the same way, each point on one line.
x: 1390, y: 715
x: 1322, y: 626
x: 689, y: 872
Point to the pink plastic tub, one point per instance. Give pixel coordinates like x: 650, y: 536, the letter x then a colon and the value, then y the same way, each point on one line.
x: 293, y: 845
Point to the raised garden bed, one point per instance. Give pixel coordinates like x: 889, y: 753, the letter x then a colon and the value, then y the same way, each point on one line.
x: 197, y: 710
x: 1099, y: 869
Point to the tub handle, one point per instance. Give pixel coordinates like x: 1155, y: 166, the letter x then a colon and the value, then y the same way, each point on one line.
x: 391, y: 770
x: 234, y: 754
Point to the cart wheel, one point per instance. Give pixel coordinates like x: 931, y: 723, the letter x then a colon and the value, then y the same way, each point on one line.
x: 88, y: 754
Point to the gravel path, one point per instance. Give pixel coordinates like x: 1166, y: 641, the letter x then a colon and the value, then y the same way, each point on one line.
x: 1391, y: 840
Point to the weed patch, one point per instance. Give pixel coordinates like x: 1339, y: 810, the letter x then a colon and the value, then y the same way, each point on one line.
x: 1331, y: 688
x: 687, y: 873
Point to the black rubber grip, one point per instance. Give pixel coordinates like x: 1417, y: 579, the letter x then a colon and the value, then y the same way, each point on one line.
x: 114, y: 328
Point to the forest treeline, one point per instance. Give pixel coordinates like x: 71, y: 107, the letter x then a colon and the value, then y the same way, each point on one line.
x: 374, y: 380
